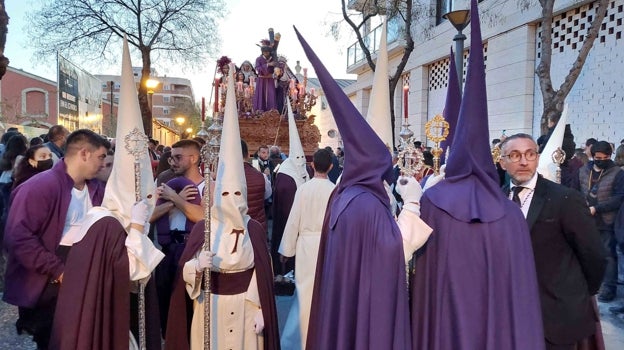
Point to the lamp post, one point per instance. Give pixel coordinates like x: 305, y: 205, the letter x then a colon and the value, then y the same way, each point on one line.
x: 460, y: 20
x: 150, y: 84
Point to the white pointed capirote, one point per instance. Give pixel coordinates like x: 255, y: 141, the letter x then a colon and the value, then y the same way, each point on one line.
x: 295, y: 165
x: 119, y: 196
x: 547, y: 168
x: 230, y: 194
x: 378, y: 115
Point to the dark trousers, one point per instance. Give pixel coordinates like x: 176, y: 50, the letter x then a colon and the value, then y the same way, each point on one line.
x: 609, y: 281
x: 165, y: 274
x: 38, y: 320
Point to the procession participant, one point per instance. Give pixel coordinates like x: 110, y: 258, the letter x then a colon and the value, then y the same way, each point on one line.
x: 109, y: 247
x: 474, y: 284
x: 33, y: 232
x: 242, y: 313
x: 291, y: 175
x: 302, y: 235
x: 360, y: 298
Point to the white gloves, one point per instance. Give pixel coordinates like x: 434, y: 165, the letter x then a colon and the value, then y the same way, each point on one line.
x: 140, y: 212
x: 410, y: 191
x: 258, y: 322
x: 204, y: 260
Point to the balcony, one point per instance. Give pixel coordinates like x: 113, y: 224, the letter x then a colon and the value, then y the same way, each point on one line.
x: 355, y: 54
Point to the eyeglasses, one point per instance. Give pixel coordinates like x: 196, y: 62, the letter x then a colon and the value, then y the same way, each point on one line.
x: 177, y: 158
x: 515, y: 156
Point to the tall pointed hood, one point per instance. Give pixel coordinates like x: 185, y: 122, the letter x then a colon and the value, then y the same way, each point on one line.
x: 378, y: 115
x: 546, y: 167
x: 295, y: 165
x: 119, y: 196
x: 451, y: 107
x: 470, y: 172
x: 367, y: 160
x: 230, y: 193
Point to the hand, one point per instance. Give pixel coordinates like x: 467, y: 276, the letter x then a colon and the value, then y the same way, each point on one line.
x: 409, y: 189
x: 204, y: 260
x: 139, y: 213
x: 167, y: 193
x: 592, y: 210
x: 189, y: 192
x: 267, y: 171
x: 258, y: 322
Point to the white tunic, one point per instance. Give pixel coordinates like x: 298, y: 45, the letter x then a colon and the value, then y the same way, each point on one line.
x: 302, y: 236
x: 231, y: 316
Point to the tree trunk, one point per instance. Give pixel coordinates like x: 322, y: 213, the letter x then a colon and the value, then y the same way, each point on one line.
x: 144, y: 103
x: 4, y: 25
x: 554, y: 99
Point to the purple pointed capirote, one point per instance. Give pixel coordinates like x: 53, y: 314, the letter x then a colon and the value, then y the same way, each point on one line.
x: 451, y: 107
x: 474, y: 284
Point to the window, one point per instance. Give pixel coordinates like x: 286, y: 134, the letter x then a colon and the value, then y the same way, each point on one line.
x: 166, y: 87
x: 165, y: 111
x: 167, y: 99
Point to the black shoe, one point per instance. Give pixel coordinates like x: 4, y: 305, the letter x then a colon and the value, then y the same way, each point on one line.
x: 606, y: 296
x: 617, y: 309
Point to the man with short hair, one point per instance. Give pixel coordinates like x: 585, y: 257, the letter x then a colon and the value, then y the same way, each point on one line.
x: 177, y: 209
x: 57, y: 135
x: 602, y: 184
x: 104, y: 174
x: 569, y: 256
x: 33, y: 232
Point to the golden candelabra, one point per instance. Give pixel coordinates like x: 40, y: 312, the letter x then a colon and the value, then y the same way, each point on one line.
x: 496, y: 154
x: 436, y: 130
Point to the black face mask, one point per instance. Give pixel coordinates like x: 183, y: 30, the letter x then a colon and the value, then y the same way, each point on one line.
x: 44, y: 164
x: 603, y: 163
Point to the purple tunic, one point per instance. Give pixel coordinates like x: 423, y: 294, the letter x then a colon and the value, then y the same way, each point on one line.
x: 474, y: 284
x: 264, y: 97
x: 283, y: 197
x: 360, y: 296
x: 33, y: 232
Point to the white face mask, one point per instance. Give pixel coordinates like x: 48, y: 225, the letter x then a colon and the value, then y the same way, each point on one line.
x: 300, y: 165
x: 231, y: 206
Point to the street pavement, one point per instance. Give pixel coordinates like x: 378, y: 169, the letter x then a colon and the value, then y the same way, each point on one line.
x: 612, y: 325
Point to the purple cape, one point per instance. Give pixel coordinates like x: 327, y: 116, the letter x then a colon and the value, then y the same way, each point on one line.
x: 360, y: 298
x: 180, y: 309
x: 474, y: 284
x: 162, y: 224
x: 92, y: 311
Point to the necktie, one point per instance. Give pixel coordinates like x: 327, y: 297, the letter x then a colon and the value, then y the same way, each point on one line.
x: 516, y: 198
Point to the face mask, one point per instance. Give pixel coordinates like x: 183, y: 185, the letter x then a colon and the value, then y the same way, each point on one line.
x: 603, y: 163
x: 44, y: 164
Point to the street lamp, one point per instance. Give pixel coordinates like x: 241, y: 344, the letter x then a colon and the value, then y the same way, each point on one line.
x: 180, y: 120
x: 150, y: 84
x: 460, y: 20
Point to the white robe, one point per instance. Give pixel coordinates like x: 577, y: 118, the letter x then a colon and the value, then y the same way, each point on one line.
x: 302, y: 236
x: 232, y: 316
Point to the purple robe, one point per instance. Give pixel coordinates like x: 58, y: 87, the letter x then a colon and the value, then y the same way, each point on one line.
x: 264, y: 97
x: 33, y: 232
x: 180, y: 310
x: 283, y: 198
x: 474, y: 284
x: 360, y: 298
x: 94, y: 299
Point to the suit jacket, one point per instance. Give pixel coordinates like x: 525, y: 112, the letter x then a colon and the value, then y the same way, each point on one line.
x: 569, y: 258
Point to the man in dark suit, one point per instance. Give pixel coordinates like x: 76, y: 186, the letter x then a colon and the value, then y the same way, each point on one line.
x: 569, y: 255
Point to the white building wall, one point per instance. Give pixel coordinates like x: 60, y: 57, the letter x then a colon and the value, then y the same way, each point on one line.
x: 511, y: 38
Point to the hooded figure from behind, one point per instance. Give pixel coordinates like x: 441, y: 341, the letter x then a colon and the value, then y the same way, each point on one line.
x: 360, y: 297
x: 474, y: 284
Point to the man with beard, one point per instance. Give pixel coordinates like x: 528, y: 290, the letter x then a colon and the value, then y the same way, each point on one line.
x: 177, y: 209
x: 602, y: 184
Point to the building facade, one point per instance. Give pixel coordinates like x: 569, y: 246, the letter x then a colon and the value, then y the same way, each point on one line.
x: 27, y: 101
x: 511, y: 36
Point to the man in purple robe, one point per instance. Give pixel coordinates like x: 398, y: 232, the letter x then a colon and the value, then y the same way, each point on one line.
x: 360, y: 298
x: 33, y: 232
x: 264, y: 95
x: 474, y: 284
